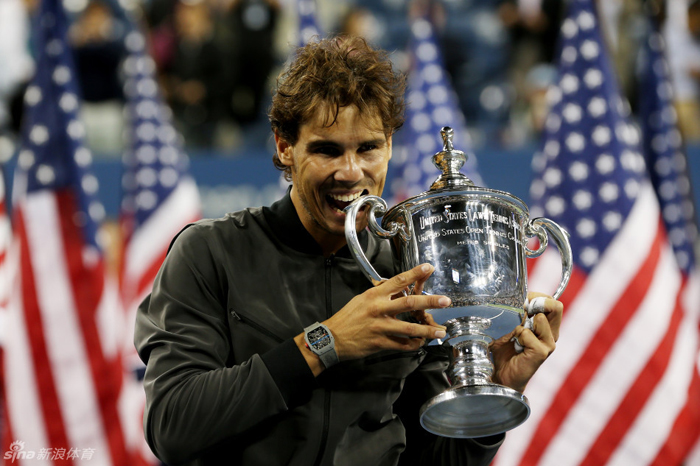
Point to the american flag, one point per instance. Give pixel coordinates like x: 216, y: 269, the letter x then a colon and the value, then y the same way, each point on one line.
x: 62, y: 359
x: 159, y: 199
x: 668, y: 167
x: 159, y: 195
x: 617, y: 391
x: 431, y: 105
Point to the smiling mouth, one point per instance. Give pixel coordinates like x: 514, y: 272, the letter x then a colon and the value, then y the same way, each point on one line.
x: 340, y: 201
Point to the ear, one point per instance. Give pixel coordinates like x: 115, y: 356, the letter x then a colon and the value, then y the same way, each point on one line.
x: 285, y: 151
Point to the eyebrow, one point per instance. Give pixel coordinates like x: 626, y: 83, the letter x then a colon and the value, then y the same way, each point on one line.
x: 314, y: 145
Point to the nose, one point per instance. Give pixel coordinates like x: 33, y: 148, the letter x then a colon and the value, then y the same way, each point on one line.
x: 349, y: 169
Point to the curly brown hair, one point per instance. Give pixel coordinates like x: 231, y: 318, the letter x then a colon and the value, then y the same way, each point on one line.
x: 334, y: 73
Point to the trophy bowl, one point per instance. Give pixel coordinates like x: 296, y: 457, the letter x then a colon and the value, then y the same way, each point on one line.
x: 476, y: 239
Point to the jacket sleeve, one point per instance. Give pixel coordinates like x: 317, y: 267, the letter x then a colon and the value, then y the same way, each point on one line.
x: 195, y: 396
x: 424, y: 448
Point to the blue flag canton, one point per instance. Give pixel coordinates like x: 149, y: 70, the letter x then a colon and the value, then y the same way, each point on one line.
x: 664, y: 151
x: 156, y: 162
x: 52, y: 154
x: 431, y: 105
x: 590, y: 169
x: 308, y: 25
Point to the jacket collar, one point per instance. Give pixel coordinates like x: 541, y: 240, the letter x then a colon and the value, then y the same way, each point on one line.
x: 287, y: 227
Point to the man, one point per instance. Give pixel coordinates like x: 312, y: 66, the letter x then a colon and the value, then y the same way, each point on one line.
x: 233, y: 375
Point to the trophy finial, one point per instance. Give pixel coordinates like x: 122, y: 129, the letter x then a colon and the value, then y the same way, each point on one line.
x: 449, y: 161
x: 447, y: 134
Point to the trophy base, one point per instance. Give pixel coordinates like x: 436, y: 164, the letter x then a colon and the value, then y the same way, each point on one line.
x: 474, y: 411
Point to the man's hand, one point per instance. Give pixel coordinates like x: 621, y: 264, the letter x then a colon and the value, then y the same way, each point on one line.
x: 514, y: 369
x: 368, y: 323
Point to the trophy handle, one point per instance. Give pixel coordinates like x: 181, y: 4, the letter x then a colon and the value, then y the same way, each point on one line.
x: 540, y: 227
x: 377, y: 207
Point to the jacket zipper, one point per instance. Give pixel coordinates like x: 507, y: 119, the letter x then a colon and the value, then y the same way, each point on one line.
x: 327, y: 392
x: 256, y: 326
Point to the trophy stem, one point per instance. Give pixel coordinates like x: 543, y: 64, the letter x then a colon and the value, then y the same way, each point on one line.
x: 471, y: 361
x: 473, y: 406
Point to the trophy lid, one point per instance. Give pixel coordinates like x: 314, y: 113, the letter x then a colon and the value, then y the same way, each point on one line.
x: 449, y: 160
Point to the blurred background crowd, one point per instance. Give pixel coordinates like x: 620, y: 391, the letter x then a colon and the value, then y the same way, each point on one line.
x: 217, y: 61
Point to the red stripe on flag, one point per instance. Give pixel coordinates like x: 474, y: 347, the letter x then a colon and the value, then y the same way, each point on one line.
x: 88, y: 287
x: 637, y: 396
x: 584, y: 369
x: 686, y: 430
x: 46, y: 389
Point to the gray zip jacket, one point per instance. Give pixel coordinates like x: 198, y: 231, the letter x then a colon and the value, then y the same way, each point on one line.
x: 225, y: 383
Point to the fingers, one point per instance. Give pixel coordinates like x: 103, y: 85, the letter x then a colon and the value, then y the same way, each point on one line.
x: 538, y: 339
x: 401, y: 281
x: 553, y: 309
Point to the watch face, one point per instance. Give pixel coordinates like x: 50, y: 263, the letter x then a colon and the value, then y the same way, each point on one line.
x: 319, y: 338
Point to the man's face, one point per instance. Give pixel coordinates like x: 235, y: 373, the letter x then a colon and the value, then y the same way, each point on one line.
x: 331, y: 167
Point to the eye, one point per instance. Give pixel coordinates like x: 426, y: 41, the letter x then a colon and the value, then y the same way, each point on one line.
x: 368, y: 147
x: 332, y: 151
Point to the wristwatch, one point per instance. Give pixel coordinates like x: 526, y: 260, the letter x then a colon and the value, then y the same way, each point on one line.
x: 319, y: 339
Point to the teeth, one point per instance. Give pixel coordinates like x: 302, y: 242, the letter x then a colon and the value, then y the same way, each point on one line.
x: 345, y: 197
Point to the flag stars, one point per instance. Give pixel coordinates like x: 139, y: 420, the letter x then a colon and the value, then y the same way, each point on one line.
x: 586, y: 227
x: 672, y: 213
x: 82, y: 157
x: 605, y: 164
x: 26, y: 159
x: 416, y: 100
x: 612, y: 221
x: 146, y: 200
x: 61, y: 75
x: 146, y: 177
x: 569, y: 28
x: 537, y: 189
x: 432, y: 73
x: 569, y: 54
x: 585, y: 20
x: 590, y: 50
x: 553, y: 95
x: 68, y: 102
x: 32, y: 95
x: 90, y: 184
x: 632, y: 161
x: 76, y: 130
x: 632, y: 188
x: 551, y: 148
x: 54, y: 47
x: 553, y: 122
x: 146, y: 131
x: 39, y: 135
x: 168, y: 177
x: 168, y: 155
x: 609, y: 192
x: 552, y: 177
x: 575, y: 142
x: 601, y: 135
x: 426, y: 52
x: 578, y: 171
x: 572, y: 113
x: 420, y: 122
x: 589, y: 256
x: 593, y: 78
x: 135, y: 41
x: 555, y: 205
x: 569, y: 83
x: 597, y: 107
x: 437, y: 95
x: 96, y: 211
x: 45, y: 174
x: 582, y: 199
x: 146, y: 87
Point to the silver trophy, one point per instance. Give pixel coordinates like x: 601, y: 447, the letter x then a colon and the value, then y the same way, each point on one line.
x: 476, y: 238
